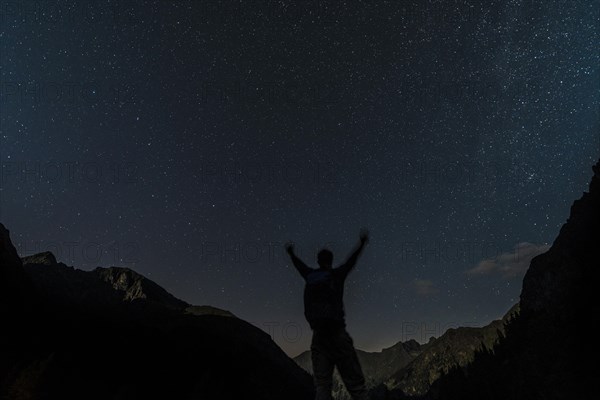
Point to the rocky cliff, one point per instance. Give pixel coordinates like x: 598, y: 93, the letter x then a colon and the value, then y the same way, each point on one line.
x: 543, y: 354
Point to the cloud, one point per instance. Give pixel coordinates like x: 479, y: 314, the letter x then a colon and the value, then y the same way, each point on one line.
x: 424, y: 287
x: 510, y: 264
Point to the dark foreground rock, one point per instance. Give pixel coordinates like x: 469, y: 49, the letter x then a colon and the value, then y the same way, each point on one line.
x: 545, y: 352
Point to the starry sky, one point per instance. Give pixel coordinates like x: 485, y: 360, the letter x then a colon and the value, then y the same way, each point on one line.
x: 189, y: 140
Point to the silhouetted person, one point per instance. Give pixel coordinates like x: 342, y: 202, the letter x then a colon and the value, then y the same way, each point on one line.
x: 324, y: 310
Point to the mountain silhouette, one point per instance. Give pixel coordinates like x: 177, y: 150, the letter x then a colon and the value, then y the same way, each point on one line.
x: 544, y: 351
x: 111, y: 333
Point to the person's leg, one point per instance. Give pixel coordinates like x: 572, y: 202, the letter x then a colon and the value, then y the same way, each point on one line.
x: 349, y: 367
x: 322, y: 366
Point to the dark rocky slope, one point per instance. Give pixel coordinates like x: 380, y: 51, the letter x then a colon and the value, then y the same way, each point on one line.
x: 112, y: 334
x: 544, y: 352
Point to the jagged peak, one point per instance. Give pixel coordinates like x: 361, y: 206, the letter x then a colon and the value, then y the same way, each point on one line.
x: 118, y: 272
x: 136, y: 286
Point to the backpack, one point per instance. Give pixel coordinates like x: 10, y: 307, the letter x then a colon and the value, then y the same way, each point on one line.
x: 320, y: 301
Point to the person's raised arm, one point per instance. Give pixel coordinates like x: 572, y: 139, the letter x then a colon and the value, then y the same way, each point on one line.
x: 351, y: 261
x: 302, y: 268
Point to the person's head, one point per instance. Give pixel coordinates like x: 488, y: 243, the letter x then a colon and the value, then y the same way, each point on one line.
x: 325, y: 258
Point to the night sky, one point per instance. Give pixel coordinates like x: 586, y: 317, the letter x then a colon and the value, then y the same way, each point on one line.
x: 189, y: 140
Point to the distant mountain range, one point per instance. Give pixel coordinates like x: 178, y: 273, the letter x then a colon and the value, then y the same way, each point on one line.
x: 377, y: 366
x: 411, y: 368
x: 111, y: 333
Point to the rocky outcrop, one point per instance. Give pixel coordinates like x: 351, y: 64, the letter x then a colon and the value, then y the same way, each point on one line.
x: 43, y: 258
x: 133, y: 286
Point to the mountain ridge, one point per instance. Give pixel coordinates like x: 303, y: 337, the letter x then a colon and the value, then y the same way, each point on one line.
x: 108, y: 333
x: 104, y: 285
